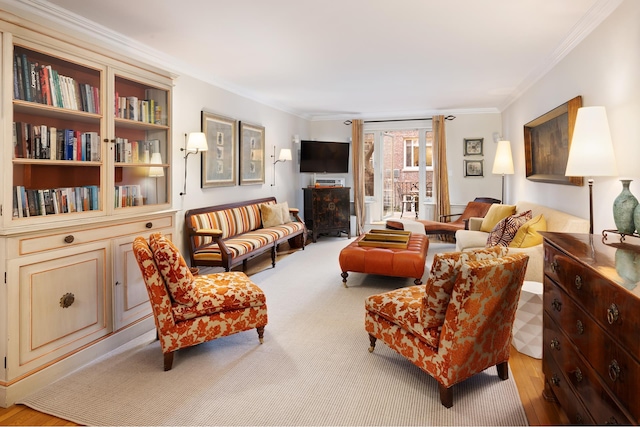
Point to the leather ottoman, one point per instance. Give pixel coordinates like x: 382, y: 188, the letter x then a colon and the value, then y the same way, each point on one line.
x: 409, y: 262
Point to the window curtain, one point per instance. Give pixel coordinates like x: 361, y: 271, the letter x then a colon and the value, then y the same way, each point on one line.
x: 357, y: 145
x: 443, y: 205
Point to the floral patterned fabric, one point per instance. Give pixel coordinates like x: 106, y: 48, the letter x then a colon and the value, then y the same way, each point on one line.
x: 476, y: 333
x: 444, y: 273
x: 174, y: 270
x: 175, y: 334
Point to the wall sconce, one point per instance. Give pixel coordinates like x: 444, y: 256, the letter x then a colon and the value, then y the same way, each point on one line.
x: 296, y: 139
x: 195, y: 142
x: 285, y: 154
x: 503, y: 162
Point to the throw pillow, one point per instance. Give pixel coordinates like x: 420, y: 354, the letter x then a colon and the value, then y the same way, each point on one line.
x: 444, y: 272
x: 528, y: 235
x: 174, y: 270
x: 505, y: 230
x: 495, y: 213
x: 286, y: 216
x: 271, y: 215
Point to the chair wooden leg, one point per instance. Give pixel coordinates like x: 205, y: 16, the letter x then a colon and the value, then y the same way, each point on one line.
x: 372, y: 343
x: 446, y: 396
x: 503, y: 370
x: 260, y: 330
x: 168, y: 361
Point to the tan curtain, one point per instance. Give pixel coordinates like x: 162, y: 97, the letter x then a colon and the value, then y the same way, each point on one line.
x: 357, y: 146
x: 443, y: 205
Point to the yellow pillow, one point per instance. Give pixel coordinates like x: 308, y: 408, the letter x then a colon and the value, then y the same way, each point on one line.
x: 495, y: 214
x: 528, y: 235
x: 271, y: 215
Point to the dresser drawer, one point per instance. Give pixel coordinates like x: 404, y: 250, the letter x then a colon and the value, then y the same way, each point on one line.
x: 562, y: 391
x: 583, y: 379
x: 611, y: 306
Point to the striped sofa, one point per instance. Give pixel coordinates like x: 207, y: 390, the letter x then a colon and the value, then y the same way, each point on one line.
x: 230, y: 234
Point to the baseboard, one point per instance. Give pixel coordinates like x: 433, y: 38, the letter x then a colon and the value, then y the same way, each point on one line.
x: 18, y: 390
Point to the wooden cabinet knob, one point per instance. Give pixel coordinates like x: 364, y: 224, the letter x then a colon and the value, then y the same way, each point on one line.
x: 67, y: 299
x: 149, y: 225
x: 69, y: 238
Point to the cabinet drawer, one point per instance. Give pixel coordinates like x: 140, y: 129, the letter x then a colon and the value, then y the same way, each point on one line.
x: 609, y: 304
x: 562, y: 391
x: 45, y: 242
x: 583, y: 379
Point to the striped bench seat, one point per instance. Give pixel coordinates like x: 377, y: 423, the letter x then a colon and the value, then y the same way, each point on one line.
x: 227, y: 235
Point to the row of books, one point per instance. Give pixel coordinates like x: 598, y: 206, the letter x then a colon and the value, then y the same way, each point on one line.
x: 128, y: 195
x: 32, y: 141
x: 41, y: 83
x: 133, y: 151
x: 141, y: 110
x: 31, y: 202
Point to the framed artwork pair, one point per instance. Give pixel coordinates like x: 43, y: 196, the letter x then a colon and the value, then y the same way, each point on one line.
x: 229, y: 147
x: 473, y: 147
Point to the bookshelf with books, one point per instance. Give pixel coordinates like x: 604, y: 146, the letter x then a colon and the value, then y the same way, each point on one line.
x: 80, y: 181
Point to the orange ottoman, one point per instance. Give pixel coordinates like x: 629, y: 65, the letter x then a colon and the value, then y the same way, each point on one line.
x: 409, y: 262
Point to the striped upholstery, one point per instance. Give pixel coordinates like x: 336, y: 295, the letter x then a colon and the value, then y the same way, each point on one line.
x: 232, y: 222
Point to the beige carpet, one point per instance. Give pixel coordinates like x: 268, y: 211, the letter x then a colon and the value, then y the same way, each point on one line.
x: 313, y: 368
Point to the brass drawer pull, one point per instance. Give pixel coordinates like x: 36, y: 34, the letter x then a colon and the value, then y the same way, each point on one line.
x: 578, y: 282
x: 580, y: 327
x: 69, y: 238
x: 554, y: 266
x: 67, y: 299
x: 612, y: 421
x: 613, y: 314
x: 614, y: 370
x: 556, y: 304
x: 578, y: 374
x: 555, y: 344
x: 149, y: 225
x: 555, y: 380
x: 579, y: 419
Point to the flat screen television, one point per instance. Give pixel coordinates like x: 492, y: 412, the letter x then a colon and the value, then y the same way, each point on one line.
x: 324, y: 157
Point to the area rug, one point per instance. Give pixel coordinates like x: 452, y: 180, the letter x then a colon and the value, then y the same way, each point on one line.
x: 314, y: 367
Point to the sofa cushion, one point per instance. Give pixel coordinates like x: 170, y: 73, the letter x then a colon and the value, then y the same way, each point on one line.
x: 506, y: 229
x: 271, y: 215
x: 174, y: 270
x: 443, y: 275
x: 496, y: 213
x: 286, y: 215
x: 528, y: 235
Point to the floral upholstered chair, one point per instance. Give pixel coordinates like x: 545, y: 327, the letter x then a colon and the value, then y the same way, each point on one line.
x: 459, y: 323
x: 189, y: 310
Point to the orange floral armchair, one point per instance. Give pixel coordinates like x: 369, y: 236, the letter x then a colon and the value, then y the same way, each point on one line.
x: 459, y: 323
x: 189, y: 310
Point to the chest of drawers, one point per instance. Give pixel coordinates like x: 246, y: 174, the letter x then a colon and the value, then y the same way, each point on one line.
x: 591, y: 339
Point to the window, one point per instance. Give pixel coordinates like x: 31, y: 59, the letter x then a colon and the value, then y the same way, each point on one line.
x: 411, y: 152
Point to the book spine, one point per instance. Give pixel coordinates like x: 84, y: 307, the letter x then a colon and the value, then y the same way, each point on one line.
x: 25, y: 76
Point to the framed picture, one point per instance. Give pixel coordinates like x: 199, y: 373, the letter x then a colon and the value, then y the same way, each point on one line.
x: 546, y: 144
x: 473, y: 168
x: 251, y: 154
x: 473, y: 146
x: 219, y: 162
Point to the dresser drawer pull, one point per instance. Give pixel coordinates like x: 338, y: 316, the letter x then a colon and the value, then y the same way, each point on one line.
x: 149, y: 225
x: 578, y: 282
x: 578, y: 419
x: 580, y: 327
x: 611, y: 421
x: 554, y: 266
x: 612, y: 314
x: 555, y: 380
x: 69, y: 238
x: 578, y: 374
x: 67, y: 299
x: 614, y: 370
x: 556, y: 304
x: 555, y: 344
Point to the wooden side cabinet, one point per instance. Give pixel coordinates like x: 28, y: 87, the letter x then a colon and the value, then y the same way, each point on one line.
x: 591, y: 350
x: 327, y: 209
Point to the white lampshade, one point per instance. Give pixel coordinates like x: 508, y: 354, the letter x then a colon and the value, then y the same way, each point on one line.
x: 285, y: 154
x: 591, y: 151
x: 197, y: 141
x: 503, y: 163
x: 156, y: 171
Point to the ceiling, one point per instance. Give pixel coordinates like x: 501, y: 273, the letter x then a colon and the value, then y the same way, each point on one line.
x: 334, y: 59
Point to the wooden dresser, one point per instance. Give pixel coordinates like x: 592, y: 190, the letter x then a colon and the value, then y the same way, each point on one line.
x: 591, y: 353
x: 327, y: 209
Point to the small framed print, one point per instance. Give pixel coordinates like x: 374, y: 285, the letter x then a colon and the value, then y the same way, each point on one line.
x: 219, y: 162
x: 473, y: 146
x: 473, y: 168
x: 251, y: 154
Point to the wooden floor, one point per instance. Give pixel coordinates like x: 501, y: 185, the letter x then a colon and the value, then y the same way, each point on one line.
x: 527, y: 373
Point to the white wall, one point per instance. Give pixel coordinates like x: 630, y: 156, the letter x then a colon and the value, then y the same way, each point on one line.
x: 604, y: 69
x: 190, y: 97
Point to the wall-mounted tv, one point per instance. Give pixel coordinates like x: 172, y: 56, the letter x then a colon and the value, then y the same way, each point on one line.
x: 324, y: 157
